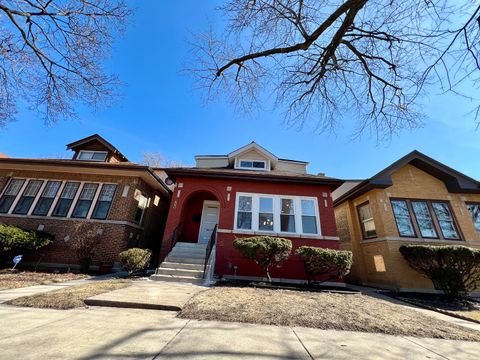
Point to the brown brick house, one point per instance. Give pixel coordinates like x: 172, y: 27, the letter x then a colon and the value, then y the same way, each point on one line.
x: 96, y: 193
x: 416, y: 200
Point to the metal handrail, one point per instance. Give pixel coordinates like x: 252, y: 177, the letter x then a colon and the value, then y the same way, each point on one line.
x: 176, y: 234
x: 208, y: 250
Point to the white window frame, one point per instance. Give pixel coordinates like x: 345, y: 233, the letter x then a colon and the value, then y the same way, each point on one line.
x: 276, y: 214
x: 93, y: 152
x: 265, y: 161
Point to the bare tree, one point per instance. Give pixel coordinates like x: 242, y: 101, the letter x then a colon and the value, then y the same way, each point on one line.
x: 158, y: 160
x: 51, y: 54
x: 327, y: 59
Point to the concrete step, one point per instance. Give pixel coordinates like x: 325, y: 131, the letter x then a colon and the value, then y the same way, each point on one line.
x: 184, y: 254
x: 181, y: 266
x: 171, y: 278
x: 186, y: 260
x: 185, y: 245
x: 180, y: 272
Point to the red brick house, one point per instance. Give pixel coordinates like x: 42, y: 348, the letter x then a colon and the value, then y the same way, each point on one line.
x: 247, y: 192
x: 96, y: 193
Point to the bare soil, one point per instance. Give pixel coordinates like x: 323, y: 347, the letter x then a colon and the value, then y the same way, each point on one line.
x: 322, y: 310
x: 69, y: 297
x: 12, y: 280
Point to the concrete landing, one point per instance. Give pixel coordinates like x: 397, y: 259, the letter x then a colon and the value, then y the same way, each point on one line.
x: 155, y: 295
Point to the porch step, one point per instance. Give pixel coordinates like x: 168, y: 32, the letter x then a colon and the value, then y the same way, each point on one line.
x: 187, y: 260
x: 180, y: 272
x: 188, y: 245
x: 175, y: 278
x: 188, y: 254
x: 179, y: 265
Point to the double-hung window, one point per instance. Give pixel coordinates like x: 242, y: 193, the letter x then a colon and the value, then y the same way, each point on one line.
x: 10, y: 194
x: 366, y: 221
x: 277, y: 214
x: 142, y: 205
x: 474, y: 210
x: 104, y: 202
x: 429, y: 219
x: 85, y: 200
x: 252, y: 164
x: 244, y: 213
x: 92, y: 155
x: 46, y: 198
x: 66, y: 199
x: 28, y: 196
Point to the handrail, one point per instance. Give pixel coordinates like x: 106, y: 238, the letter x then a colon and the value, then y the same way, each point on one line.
x: 209, y: 248
x: 176, y: 234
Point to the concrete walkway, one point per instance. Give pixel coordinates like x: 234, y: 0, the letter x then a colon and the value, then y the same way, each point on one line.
x: 148, y: 294
x: 112, y: 333
x: 9, y: 294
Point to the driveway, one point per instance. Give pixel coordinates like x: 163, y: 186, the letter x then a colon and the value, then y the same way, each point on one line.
x: 113, y: 333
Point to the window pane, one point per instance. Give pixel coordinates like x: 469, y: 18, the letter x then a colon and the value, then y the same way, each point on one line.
x: 42, y: 207
x: 244, y: 220
x: 259, y: 164
x: 32, y: 188
x: 51, y: 189
x: 99, y: 156
x: 106, y: 194
x: 265, y: 221
x: 244, y: 203
x: 101, y: 210
x: 402, y: 215
x: 287, y: 206
x: 365, y: 212
x: 309, y: 224
x: 366, y: 221
x: 81, y: 209
x: 445, y: 220
x: 246, y: 164
x: 10, y: 194
x: 14, y: 187
x: 475, y: 213
x: 5, y: 203
x: 266, y: 205
x: 369, y: 228
x: 424, y: 219
x: 287, y: 223
x: 88, y: 191
x: 28, y: 197
x: 70, y: 190
x: 308, y: 207
x: 85, y: 155
x: 62, y: 207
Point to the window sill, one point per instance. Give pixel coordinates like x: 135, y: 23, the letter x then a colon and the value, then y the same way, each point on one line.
x: 288, y: 235
x: 413, y: 240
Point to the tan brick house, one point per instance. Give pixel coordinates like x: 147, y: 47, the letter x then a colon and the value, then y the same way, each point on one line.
x: 416, y: 200
x: 96, y: 193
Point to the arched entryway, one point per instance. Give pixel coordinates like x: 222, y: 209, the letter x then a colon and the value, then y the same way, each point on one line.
x: 201, y: 212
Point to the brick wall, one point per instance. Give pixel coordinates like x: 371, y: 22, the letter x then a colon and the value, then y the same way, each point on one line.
x: 408, y: 182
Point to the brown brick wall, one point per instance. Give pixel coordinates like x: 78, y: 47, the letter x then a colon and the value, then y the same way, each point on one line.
x: 408, y: 182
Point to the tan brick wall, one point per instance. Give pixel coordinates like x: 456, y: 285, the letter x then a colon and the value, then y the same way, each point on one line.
x: 408, y: 182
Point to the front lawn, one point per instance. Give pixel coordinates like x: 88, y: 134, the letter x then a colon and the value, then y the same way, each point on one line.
x: 12, y: 280
x: 329, y: 311
x: 69, y: 297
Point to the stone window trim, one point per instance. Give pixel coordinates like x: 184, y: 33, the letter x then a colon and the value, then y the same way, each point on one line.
x: 299, y: 217
x: 56, y: 198
x: 434, y: 217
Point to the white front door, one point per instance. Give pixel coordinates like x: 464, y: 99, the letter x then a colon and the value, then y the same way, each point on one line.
x: 210, y: 213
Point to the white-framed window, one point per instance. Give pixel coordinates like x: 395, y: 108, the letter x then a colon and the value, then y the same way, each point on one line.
x: 10, y: 194
x: 142, y: 205
x: 104, y: 201
x: 66, y: 199
x: 46, y: 198
x: 85, y: 200
x: 92, y: 155
x: 295, y: 215
x: 28, y: 197
x: 252, y: 164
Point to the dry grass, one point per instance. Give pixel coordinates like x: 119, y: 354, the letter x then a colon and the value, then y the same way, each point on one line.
x: 9, y: 280
x: 351, y: 312
x: 69, y: 297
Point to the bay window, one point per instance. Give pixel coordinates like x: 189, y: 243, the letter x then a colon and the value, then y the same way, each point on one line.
x: 429, y: 219
x: 28, y: 196
x: 10, y: 194
x: 277, y: 214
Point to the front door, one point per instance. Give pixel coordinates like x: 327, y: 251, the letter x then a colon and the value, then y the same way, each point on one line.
x: 210, y: 213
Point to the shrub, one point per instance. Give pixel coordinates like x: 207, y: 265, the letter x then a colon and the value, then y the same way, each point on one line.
x: 265, y: 251
x: 13, y: 239
x: 319, y: 261
x: 455, y: 270
x: 135, y: 259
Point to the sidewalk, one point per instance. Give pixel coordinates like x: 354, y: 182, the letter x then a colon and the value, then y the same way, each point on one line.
x: 113, y: 333
x: 9, y: 294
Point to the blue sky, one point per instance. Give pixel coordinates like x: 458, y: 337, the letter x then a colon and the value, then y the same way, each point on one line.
x: 161, y: 111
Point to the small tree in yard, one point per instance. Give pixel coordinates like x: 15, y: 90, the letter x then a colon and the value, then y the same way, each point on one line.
x: 453, y: 269
x: 265, y: 251
x: 135, y: 259
x: 319, y: 261
x: 85, y: 243
x: 13, y: 239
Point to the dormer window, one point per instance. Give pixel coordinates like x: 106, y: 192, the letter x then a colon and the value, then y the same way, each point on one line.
x: 252, y: 164
x: 92, y: 155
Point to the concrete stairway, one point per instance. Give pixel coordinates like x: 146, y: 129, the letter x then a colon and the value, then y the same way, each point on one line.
x: 183, y: 264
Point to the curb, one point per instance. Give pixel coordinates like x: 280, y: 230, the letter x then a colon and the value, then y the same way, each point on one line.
x: 130, y: 305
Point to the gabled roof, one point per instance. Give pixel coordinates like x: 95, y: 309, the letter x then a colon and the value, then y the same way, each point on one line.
x: 455, y: 181
x: 95, y: 137
x: 254, y: 146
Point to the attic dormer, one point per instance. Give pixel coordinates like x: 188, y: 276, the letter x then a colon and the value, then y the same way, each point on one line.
x: 95, y: 148
x: 253, y: 157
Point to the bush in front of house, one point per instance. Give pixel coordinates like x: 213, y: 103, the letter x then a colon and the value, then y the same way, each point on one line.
x: 265, y: 251
x: 14, y: 239
x: 455, y: 270
x: 329, y: 263
x: 135, y: 259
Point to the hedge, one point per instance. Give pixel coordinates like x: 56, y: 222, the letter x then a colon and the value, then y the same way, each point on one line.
x: 135, y: 259
x: 319, y: 261
x: 455, y: 270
